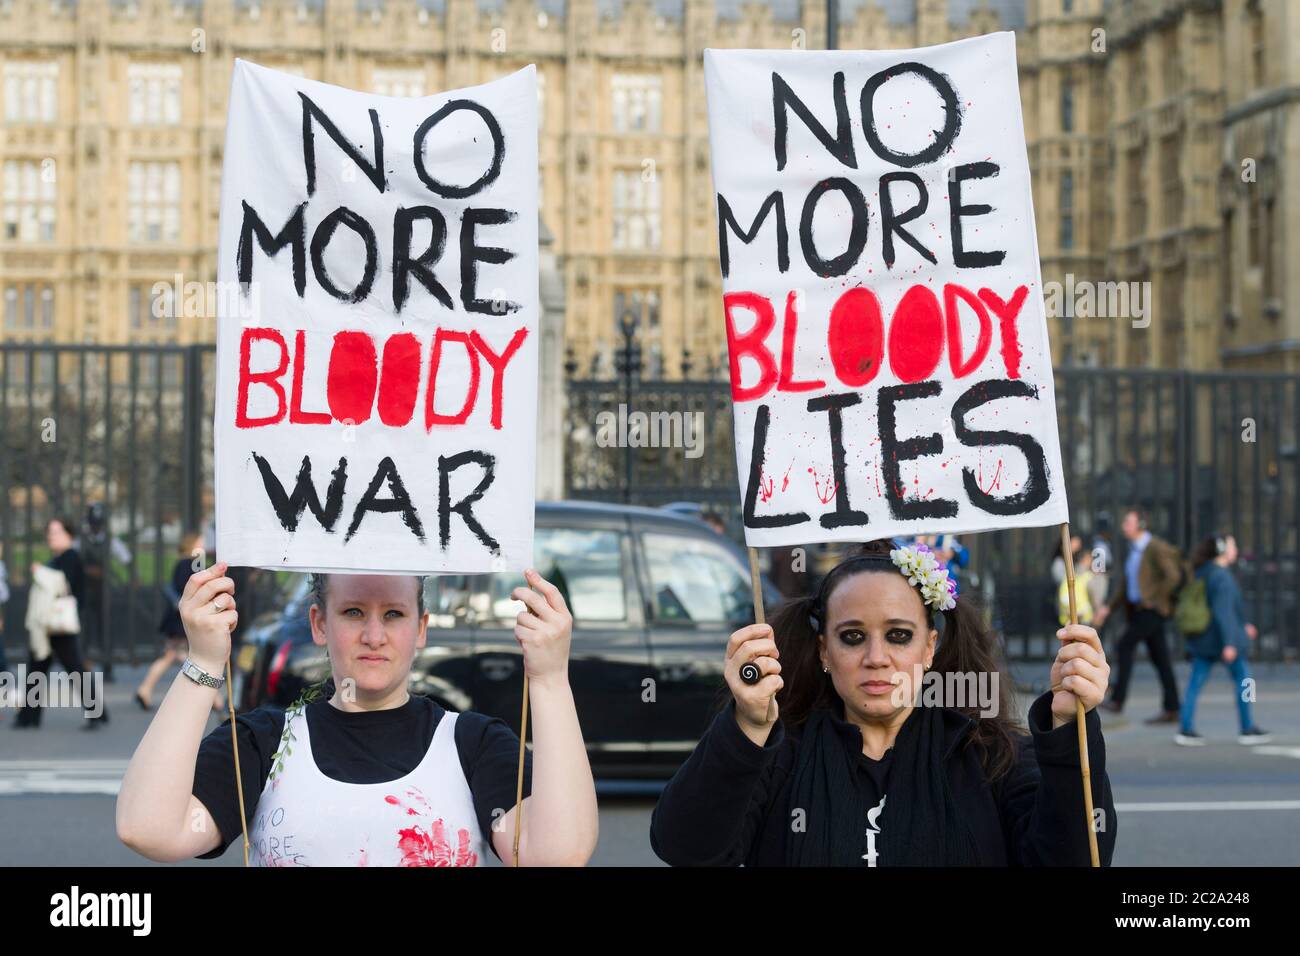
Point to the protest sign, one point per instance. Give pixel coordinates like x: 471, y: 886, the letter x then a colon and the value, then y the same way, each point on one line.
x: 376, y: 411
x: 890, y: 368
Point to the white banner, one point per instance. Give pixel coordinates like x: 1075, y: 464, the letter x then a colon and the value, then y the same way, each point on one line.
x: 377, y: 332
x: 890, y: 368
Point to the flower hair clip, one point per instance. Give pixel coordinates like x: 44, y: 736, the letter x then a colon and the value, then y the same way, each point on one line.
x: 922, y: 569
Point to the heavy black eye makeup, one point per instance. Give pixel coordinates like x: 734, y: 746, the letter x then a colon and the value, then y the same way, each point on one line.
x: 852, y: 635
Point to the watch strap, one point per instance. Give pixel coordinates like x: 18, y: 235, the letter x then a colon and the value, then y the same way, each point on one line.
x: 200, y: 676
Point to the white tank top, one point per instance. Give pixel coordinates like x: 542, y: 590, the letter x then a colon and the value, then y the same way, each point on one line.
x: 425, y: 818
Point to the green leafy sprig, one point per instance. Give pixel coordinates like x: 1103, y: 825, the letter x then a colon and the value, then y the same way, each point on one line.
x: 309, y: 693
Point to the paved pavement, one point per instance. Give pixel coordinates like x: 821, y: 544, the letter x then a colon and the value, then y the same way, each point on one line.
x: 1222, y: 804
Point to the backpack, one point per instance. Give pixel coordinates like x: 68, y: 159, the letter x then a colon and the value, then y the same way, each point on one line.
x: 1192, y: 612
x: 93, y: 550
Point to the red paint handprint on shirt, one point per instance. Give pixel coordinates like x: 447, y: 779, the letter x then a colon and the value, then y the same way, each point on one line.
x: 433, y: 848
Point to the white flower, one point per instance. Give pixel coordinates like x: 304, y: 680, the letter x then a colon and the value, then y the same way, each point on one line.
x: 924, y: 570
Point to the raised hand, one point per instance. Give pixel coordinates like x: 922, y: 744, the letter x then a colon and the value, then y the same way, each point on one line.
x: 207, y: 609
x: 1080, y: 671
x: 544, y: 630
x: 755, y: 703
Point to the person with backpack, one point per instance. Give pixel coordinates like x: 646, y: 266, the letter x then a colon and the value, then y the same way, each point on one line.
x: 101, y: 553
x: 1212, y: 614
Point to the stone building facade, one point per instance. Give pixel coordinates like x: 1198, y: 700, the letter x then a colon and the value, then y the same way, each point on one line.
x: 1159, y: 135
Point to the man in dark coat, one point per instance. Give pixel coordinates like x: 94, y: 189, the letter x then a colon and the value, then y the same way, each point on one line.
x: 1152, y: 574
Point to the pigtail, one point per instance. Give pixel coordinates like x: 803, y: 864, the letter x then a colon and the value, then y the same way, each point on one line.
x: 968, y: 646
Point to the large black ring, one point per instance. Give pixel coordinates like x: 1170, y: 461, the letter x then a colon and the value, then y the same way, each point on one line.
x: 750, y: 673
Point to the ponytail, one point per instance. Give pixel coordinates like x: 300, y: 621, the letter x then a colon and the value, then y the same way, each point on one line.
x: 805, y: 688
x: 968, y: 646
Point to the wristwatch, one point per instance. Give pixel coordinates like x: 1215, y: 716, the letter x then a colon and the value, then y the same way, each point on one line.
x: 200, y: 676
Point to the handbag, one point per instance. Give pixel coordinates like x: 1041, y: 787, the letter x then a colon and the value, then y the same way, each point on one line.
x: 63, y: 617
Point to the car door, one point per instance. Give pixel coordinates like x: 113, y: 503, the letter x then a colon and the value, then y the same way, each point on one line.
x: 590, y: 560
x: 698, y: 593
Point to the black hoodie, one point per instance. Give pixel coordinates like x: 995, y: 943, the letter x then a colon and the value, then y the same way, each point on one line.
x: 729, y: 803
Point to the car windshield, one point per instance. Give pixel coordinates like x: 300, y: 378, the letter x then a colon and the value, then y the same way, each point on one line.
x: 585, y: 564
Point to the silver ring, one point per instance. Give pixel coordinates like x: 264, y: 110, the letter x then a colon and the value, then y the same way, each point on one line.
x: 219, y: 607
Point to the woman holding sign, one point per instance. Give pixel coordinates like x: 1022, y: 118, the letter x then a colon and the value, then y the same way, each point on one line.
x: 838, y: 756
x: 368, y: 775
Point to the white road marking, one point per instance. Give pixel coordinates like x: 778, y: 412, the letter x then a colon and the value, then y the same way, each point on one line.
x: 1208, y: 805
x: 1275, y: 751
x: 61, y: 776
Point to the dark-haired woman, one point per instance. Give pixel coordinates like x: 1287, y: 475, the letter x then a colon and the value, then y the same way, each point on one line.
x: 843, y: 754
x: 369, y: 774
x: 1226, y: 639
x: 60, y: 536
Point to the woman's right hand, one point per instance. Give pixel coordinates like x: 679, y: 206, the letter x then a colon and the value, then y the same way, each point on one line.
x: 755, y: 703
x: 207, y: 608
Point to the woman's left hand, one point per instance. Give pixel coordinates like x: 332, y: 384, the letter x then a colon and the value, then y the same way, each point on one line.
x: 1079, y: 672
x: 544, y: 629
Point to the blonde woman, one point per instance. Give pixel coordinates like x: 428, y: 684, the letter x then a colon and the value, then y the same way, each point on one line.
x: 367, y: 775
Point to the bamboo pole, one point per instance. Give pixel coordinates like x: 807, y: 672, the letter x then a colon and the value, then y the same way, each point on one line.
x: 234, y: 746
x: 519, y: 782
x: 1084, y: 769
x: 756, y: 584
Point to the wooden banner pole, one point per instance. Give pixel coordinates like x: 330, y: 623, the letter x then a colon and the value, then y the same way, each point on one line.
x: 234, y: 747
x: 519, y: 782
x: 756, y: 584
x: 1078, y: 704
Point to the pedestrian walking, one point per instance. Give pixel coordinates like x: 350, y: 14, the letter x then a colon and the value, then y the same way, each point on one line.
x: 1089, y: 595
x: 175, y: 646
x: 1153, y: 573
x: 101, y: 552
x: 1226, y: 639
x: 1101, y: 561
x: 54, y: 613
